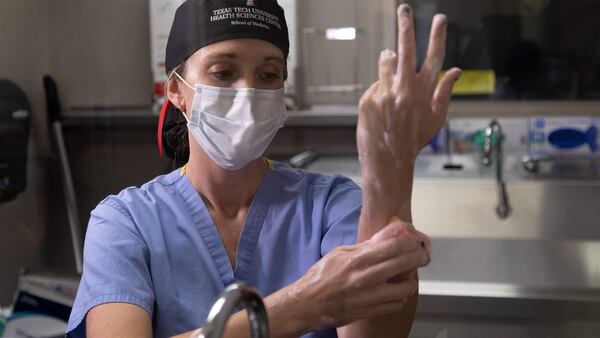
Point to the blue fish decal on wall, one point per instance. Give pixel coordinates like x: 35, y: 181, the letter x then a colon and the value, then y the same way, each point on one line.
x: 568, y: 138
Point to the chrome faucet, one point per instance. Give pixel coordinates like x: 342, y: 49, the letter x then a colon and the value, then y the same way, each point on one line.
x: 235, y: 295
x: 494, y: 129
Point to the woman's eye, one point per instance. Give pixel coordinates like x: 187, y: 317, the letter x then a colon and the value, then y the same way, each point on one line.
x: 222, y: 75
x: 270, y: 77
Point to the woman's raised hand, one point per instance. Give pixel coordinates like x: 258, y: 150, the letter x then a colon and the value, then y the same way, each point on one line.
x: 398, y: 115
x: 404, y: 109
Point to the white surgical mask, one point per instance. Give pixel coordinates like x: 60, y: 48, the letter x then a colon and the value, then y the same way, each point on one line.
x: 235, y: 126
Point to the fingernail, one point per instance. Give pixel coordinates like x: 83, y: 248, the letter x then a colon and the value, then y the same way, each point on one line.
x: 405, y: 8
x: 443, y: 19
x: 388, y: 53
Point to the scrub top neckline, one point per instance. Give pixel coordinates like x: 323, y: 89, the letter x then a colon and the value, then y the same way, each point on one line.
x: 251, y: 228
x: 269, y: 163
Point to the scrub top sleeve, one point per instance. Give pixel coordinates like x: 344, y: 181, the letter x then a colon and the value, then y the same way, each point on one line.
x: 341, y: 215
x: 116, y: 264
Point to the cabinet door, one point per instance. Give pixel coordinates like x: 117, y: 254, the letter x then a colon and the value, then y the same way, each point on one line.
x: 509, y: 49
x: 340, y: 43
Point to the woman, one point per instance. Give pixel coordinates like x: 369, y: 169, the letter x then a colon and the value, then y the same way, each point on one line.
x: 157, y: 257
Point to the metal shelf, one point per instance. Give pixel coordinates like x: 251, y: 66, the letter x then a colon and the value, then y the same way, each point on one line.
x: 347, y: 115
x: 523, y: 108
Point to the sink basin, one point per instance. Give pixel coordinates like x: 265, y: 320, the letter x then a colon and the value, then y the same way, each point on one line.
x: 540, y: 209
x: 529, y: 269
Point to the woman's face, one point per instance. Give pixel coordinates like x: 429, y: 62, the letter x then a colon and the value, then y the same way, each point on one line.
x: 238, y: 63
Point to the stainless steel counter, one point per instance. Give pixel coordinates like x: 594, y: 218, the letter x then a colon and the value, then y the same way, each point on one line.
x: 523, y: 269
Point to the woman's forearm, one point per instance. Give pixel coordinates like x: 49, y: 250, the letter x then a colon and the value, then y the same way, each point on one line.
x: 394, y: 325
x: 383, y: 200
x: 384, y: 197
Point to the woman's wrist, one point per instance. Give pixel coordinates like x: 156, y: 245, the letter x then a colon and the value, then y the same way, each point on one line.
x: 289, y: 314
x: 385, y: 197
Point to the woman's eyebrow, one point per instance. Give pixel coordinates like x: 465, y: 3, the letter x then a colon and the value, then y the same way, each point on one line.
x: 276, y: 59
x: 233, y: 56
x: 230, y: 56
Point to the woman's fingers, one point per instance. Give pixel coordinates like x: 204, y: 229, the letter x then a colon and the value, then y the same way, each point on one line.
x: 394, y: 228
x: 412, y: 274
x: 425, y: 240
x: 443, y: 93
x: 375, y: 252
x: 367, y: 111
x: 386, y: 308
x: 407, y: 50
x: 387, y: 68
x: 436, y: 50
x: 397, y: 228
x: 346, y: 285
x: 385, y: 270
x: 366, y: 103
x: 389, y: 292
x: 400, y: 291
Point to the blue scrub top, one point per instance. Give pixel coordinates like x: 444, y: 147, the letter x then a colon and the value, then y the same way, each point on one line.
x: 157, y: 246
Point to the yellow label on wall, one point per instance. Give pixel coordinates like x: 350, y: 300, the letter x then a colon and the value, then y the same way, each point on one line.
x: 475, y: 82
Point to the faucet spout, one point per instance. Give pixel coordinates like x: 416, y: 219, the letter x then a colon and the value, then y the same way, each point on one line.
x: 493, y: 149
x: 235, y: 295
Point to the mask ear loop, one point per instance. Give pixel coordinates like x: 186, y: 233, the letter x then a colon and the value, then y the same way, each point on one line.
x: 184, y: 81
x: 184, y: 116
x: 192, y: 88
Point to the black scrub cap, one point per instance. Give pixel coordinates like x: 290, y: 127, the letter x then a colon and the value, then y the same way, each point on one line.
x: 199, y: 23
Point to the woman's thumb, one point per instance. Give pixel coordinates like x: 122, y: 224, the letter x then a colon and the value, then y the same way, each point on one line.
x: 393, y: 229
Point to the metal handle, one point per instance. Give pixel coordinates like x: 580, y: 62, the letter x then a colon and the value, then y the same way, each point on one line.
x: 532, y: 163
x: 503, y: 208
x: 235, y: 295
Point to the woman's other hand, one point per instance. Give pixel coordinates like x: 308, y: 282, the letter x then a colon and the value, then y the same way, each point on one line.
x: 353, y: 282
